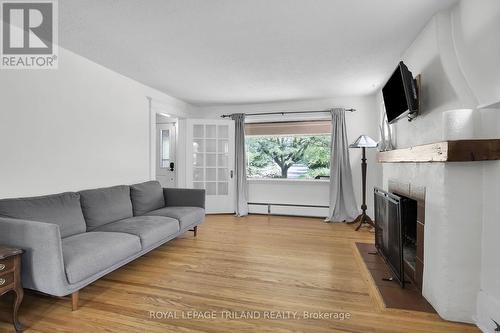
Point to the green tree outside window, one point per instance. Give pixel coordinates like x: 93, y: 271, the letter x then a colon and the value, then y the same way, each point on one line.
x: 275, y: 156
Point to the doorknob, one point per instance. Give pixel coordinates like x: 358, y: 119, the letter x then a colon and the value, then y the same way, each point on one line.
x: 231, y: 174
x: 172, y: 165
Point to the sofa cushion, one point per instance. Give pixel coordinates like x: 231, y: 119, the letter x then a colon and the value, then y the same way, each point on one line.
x: 89, y: 253
x: 150, y: 229
x: 106, y: 205
x: 62, y: 209
x: 146, y: 197
x: 187, y: 216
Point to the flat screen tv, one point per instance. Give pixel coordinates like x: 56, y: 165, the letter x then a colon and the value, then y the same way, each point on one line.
x: 400, y: 95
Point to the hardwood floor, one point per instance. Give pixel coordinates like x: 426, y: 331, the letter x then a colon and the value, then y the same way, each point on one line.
x: 256, y: 264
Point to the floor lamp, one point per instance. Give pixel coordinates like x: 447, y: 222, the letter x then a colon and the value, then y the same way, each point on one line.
x: 364, y: 141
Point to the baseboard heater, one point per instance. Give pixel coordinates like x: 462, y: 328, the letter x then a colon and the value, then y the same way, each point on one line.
x: 270, y: 204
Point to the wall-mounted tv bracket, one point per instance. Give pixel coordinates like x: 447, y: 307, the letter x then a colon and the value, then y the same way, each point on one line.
x: 416, y: 93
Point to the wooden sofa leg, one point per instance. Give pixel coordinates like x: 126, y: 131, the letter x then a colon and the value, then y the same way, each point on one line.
x: 74, y: 300
x: 194, y: 230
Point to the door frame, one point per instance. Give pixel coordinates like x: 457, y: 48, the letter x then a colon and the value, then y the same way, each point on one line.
x: 155, y: 107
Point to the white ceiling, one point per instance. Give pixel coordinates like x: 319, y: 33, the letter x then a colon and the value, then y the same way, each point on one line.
x: 247, y: 51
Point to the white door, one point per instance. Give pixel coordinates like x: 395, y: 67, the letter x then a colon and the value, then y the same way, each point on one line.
x: 210, y: 161
x: 165, y: 155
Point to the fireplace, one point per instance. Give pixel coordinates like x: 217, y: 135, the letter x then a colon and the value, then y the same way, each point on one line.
x: 396, y: 233
x: 396, y: 262
x: 401, y: 212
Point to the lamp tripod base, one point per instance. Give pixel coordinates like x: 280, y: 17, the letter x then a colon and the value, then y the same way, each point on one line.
x: 363, y: 218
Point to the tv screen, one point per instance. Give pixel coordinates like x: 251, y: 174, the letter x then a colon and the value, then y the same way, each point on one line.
x: 400, y: 94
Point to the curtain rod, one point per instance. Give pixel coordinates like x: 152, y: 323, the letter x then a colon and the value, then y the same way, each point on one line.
x: 283, y: 113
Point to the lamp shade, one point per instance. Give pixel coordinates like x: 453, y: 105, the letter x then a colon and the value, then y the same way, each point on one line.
x: 364, y: 141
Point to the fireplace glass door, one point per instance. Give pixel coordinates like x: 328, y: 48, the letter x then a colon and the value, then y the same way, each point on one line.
x: 388, y: 231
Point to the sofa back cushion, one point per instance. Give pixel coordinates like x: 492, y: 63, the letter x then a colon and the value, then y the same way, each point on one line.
x: 105, y: 205
x: 62, y: 209
x: 146, y: 197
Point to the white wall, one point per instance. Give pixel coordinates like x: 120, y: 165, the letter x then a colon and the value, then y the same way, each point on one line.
x: 290, y: 191
x: 488, y: 303
x: 363, y: 121
x: 477, y: 35
x: 80, y: 126
x: 458, y: 55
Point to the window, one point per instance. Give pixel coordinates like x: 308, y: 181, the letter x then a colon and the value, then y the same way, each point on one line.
x: 293, y: 150
x: 165, y: 148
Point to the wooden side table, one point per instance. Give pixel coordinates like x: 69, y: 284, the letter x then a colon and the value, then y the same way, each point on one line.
x: 10, y: 279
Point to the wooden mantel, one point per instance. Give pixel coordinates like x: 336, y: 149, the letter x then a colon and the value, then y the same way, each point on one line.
x: 445, y: 151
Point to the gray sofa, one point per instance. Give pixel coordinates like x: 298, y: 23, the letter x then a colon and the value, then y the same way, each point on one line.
x: 72, y: 239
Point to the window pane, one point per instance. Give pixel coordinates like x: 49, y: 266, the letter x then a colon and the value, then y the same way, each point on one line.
x: 223, y: 146
x: 164, y: 148
x: 199, y: 185
x: 198, y: 146
x: 198, y: 159
x: 223, y: 131
x: 222, y: 188
x: 211, y: 188
x: 211, y: 145
x: 211, y: 160
x: 199, y: 131
x: 198, y: 174
x: 222, y: 160
x: 222, y: 174
x: 288, y: 156
x: 210, y: 131
x: 211, y: 174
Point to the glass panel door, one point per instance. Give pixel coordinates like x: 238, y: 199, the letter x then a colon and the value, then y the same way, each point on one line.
x: 212, y: 145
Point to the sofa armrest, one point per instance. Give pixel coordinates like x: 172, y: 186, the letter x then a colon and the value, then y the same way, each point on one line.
x: 42, y: 261
x: 184, y: 197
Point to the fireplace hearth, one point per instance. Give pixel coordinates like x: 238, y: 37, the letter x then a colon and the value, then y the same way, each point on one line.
x: 407, y: 200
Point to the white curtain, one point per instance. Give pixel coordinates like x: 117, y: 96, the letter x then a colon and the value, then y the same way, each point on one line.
x: 240, y: 165
x: 343, y: 205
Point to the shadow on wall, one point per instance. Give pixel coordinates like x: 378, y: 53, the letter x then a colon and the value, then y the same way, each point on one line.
x: 437, y: 91
x: 477, y: 31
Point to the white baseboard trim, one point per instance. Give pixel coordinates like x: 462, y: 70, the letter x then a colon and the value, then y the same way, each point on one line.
x: 488, y: 309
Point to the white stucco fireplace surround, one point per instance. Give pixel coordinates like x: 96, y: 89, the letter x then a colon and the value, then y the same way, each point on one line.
x: 452, y: 233
x: 461, y: 270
